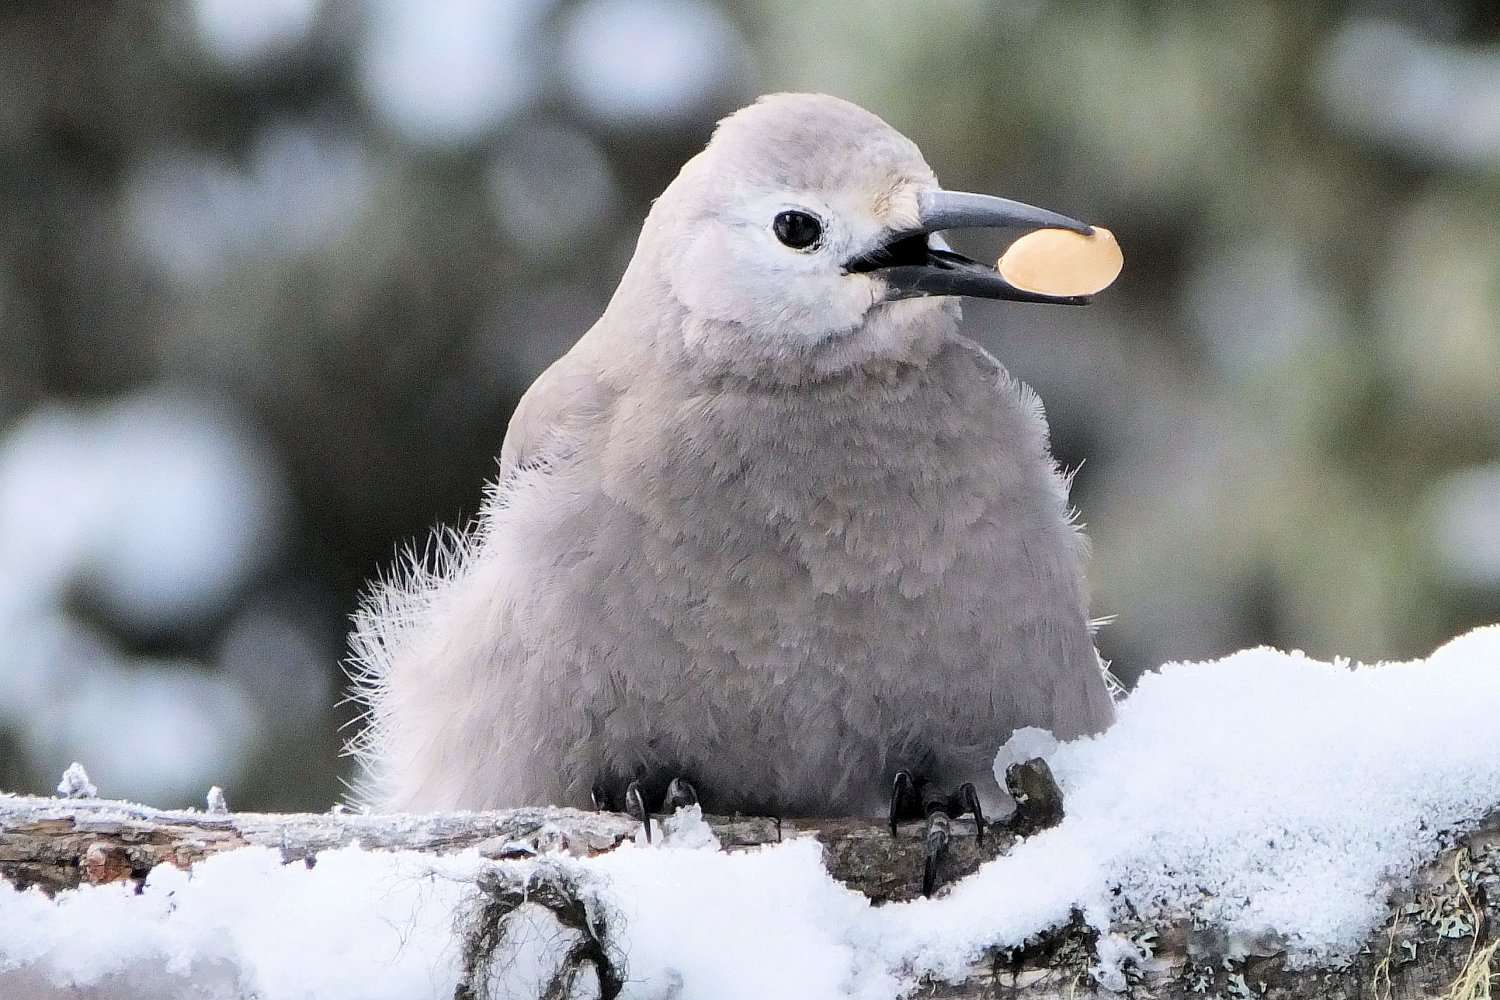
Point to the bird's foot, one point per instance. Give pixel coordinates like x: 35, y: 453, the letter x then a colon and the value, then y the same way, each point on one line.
x: 680, y: 792
x: 910, y: 797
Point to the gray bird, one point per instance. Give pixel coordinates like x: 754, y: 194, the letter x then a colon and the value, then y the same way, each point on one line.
x: 772, y: 526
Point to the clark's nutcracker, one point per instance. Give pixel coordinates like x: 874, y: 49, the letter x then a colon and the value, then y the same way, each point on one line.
x: 772, y: 526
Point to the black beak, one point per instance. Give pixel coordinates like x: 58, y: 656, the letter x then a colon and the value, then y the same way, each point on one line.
x: 913, y: 269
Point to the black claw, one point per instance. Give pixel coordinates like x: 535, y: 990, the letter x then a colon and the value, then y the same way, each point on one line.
x: 935, y: 849
x: 635, y: 805
x: 966, y: 800
x: 903, y: 792
x: 679, y: 793
x: 603, y: 801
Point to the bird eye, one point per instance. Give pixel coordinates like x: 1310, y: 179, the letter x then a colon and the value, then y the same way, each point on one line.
x: 798, y: 230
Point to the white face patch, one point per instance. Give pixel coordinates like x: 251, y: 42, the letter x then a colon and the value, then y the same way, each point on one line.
x: 733, y: 267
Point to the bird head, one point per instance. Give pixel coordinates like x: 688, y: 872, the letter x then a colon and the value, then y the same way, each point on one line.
x: 808, y: 228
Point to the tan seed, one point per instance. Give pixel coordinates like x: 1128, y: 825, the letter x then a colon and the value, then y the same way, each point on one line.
x: 1062, y: 262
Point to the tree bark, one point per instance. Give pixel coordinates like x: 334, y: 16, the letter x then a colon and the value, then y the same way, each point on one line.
x: 1441, y: 927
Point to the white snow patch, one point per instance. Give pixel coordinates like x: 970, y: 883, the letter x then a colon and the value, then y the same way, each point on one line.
x: 743, y: 926
x: 1296, y: 793
x: 1265, y: 793
x: 1025, y: 744
x: 539, y: 943
x: 1116, y: 954
x: 359, y: 924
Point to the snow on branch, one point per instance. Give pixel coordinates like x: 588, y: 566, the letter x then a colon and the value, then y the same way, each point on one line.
x: 1264, y: 825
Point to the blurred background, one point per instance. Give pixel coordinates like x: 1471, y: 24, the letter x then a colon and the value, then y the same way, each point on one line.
x: 273, y: 275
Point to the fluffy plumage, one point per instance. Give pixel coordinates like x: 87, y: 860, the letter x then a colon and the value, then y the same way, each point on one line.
x: 759, y: 527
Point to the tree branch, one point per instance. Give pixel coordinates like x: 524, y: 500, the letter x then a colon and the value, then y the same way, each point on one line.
x: 1440, y: 928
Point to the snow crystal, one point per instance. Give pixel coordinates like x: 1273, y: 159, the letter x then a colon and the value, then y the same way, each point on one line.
x: 1268, y: 795
x: 75, y: 783
x: 687, y: 828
